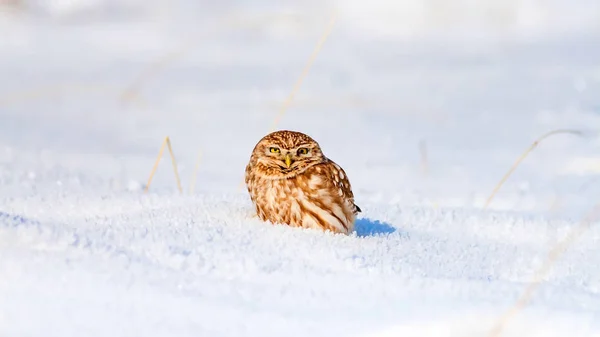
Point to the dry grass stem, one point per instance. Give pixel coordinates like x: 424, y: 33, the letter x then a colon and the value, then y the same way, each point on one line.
x: 195, y: 173
x: 551, y: 258
x: 524, y: 155
x: 166, y: 142
x: 311, y: 60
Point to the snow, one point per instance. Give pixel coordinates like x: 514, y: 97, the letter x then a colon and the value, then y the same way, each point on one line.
x: 84, y: 251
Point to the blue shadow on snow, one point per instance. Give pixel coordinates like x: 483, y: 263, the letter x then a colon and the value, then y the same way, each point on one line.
x: 368, y: 227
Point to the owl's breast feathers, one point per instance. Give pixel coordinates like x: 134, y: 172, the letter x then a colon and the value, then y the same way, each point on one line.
x: 321, y: 198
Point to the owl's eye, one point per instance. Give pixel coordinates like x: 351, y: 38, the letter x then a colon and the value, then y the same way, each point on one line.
x: 274, y: 150
x: 302, y: 150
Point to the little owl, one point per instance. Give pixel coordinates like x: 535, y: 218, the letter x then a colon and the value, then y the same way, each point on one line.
x: 291, y: 182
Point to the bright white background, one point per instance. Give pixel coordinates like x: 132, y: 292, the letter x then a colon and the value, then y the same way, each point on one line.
x: 83, y: 251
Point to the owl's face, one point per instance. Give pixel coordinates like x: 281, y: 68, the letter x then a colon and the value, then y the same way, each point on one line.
x: 283, y: 154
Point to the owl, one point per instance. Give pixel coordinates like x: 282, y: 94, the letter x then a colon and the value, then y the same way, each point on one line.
x: 291, y: 182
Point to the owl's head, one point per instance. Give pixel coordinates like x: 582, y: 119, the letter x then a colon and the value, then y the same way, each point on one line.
x: 283, y: 154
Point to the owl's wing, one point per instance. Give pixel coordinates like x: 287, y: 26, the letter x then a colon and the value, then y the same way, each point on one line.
x: 339, y: 181
x: 249, y: 179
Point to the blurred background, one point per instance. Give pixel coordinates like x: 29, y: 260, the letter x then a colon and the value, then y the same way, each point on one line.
x: 422, y: 102
x: 426, y: 104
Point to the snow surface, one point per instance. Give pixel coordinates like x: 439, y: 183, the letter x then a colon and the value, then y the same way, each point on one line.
x: 84, y: 252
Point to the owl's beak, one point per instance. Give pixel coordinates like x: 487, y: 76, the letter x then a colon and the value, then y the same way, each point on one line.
x: 288, y: 160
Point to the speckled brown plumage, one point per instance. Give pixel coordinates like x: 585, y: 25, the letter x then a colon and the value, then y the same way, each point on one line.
x: 291, y: 182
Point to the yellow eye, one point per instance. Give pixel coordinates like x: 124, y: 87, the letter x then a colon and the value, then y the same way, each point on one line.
x: 302, y: 150
x: 274, y: 150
